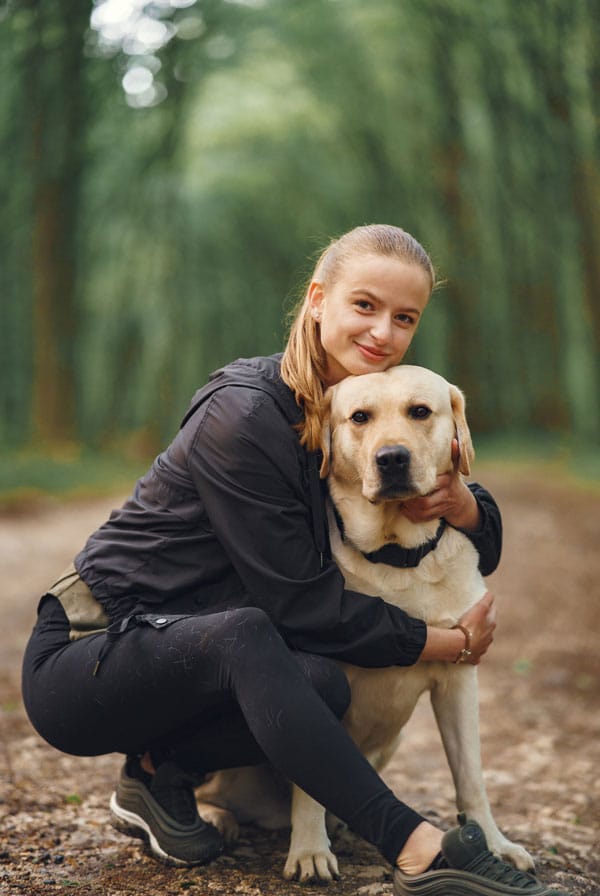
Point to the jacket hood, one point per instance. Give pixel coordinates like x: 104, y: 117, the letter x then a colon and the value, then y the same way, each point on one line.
x: 262, y: 373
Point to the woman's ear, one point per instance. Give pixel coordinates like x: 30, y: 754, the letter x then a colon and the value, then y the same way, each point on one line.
x: 465, y: 443
x: 315, y: 299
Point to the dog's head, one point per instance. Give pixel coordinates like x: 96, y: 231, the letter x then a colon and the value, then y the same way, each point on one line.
x: 390, y: 434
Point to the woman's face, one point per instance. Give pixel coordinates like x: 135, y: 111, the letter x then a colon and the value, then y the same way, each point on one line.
x: 370, y: 314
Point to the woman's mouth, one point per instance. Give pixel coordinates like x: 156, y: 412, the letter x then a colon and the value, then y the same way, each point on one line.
x: 370, y: 353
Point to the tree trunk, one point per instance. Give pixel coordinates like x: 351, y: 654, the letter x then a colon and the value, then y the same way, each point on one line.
x: 55, y: 107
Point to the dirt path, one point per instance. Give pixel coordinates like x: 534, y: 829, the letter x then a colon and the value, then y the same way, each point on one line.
x: 539, y: 708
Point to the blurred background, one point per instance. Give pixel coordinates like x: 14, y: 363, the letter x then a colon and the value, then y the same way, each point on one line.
x: 170, y: 169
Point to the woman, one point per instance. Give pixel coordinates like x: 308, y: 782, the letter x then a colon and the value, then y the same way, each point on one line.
x: 224, y: 611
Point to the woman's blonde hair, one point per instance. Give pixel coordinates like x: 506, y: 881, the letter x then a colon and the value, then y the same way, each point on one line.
x: 303, y: 366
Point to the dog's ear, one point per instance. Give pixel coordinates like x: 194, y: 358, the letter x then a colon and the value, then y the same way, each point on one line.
x: 325, y: 441
x: 465, y: 443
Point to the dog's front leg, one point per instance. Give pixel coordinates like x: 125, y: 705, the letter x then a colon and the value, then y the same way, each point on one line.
x: 456, y: 706
x: 309, y: 857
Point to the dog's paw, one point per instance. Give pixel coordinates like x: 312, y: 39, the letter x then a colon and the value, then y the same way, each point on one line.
x: 512, y: 852
x: 222, y: 819
x: 311, y: 866
x: 519, y: 857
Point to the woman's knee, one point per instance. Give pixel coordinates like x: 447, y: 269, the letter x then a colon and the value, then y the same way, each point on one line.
x: 328, y: 680
x: 256, y: 636
x: 244, y: 624
x: 236, y: 637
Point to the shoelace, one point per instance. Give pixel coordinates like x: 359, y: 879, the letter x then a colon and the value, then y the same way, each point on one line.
x: 490, y: 866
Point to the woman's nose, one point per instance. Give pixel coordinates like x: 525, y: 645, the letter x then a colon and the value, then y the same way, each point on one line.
x: 381, y: 329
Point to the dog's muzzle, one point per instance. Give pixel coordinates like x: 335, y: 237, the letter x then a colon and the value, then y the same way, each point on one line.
x: 393, y: 465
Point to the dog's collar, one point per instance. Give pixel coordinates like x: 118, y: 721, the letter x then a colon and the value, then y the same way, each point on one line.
x: 395, y: 554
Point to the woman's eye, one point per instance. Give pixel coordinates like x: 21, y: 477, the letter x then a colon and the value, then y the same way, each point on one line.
x: 359, y: 417
x: 419, y: 412
x: 363, y: 304
x: 405, y: 319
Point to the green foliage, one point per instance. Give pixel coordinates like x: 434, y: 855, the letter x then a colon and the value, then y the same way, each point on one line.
x: 529, y: 455
x: 194, y: 219
x: 26, y: 477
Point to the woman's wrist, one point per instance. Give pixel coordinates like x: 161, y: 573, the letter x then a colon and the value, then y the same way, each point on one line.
x: 466, y: 651
x: 443, y: 644
x: 467, y: 516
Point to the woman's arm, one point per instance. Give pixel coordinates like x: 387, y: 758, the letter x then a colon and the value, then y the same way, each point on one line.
x: 467, y: 507
x: 487, y: 539
x: 447, y: 644
x: 246, y: 463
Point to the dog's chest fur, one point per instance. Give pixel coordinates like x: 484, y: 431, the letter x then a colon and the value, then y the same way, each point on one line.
x: 439, y: 590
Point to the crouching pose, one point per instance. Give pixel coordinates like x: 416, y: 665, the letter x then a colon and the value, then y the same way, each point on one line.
x: 199, y: 626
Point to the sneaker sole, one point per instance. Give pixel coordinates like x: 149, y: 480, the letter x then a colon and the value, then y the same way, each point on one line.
x: 457, y: 883
x: 129, y: 823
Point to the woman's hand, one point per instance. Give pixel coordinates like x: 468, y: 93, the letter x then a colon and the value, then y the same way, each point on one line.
x: 480, y: 620
x: 445, y: 644
x: 451, y: 498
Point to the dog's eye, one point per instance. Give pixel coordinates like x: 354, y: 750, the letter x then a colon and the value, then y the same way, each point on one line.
x: 419, y: 412
x: 359, y: 417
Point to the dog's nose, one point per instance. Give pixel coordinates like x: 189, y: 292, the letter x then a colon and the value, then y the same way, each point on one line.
x: 392, y: 458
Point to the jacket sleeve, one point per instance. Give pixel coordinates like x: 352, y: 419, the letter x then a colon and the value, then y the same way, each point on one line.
x: 245, y: 464
x: 487, y: 540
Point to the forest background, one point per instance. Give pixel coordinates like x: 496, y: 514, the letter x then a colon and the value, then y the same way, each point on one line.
x: 170, y: 168
x: 168, y: 172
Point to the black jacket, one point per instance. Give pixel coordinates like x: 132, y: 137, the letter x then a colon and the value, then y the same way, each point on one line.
x: 232, y: 515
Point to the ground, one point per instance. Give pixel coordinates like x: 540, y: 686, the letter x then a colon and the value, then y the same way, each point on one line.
x: 540, y: 725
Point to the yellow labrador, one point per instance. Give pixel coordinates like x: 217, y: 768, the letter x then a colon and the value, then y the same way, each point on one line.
x: 388, y: 437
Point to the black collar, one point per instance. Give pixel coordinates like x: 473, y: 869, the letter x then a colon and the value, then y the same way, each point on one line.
x: 395, y: 554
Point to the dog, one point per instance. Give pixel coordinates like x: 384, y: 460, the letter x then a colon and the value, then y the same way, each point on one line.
x: 387, y: 438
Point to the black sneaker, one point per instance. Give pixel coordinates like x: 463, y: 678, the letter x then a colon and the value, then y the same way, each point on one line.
x: 471, y: 870
x: 161, y: 809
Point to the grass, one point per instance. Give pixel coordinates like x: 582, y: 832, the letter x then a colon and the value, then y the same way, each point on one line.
x: 30, y: 476
x: 575, y: 464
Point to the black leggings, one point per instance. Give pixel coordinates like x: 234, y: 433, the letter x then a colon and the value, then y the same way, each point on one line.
x: 209, y: 692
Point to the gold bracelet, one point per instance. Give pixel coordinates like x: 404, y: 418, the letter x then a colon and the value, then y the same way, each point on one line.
x: 466, y: 651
